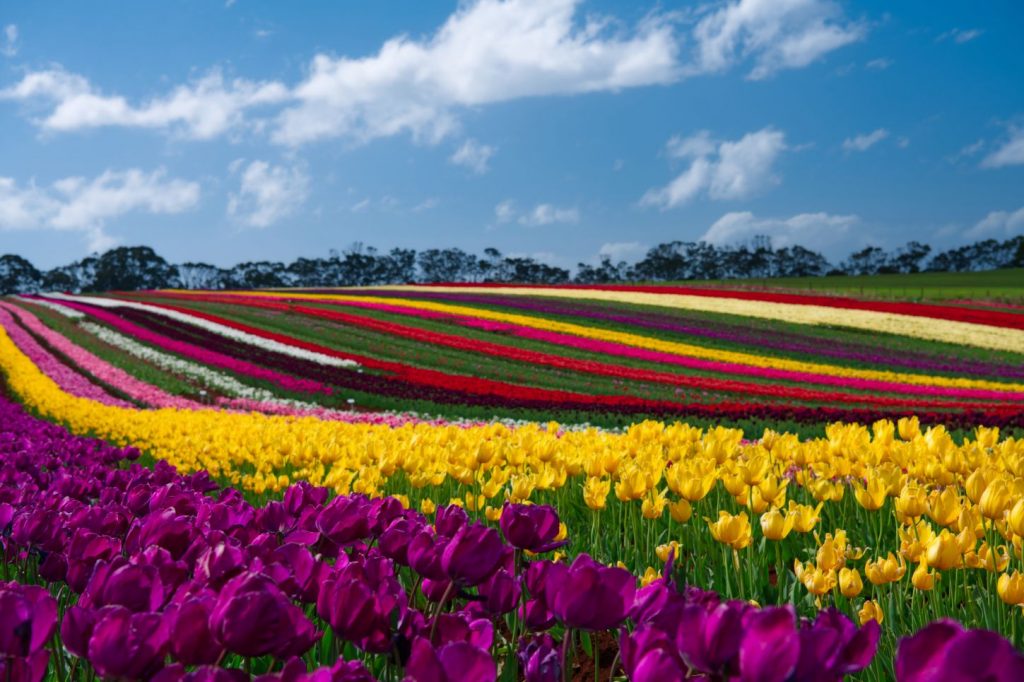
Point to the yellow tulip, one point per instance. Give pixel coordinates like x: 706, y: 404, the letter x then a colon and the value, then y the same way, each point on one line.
x: 662, y: 551
x: 1011, y: 588
x: 680, y: 510
x: 595, y: 492
x: 870, y: 611
x: 1016, y: 517
x: 885, y: 570
x: 831, y: 554
x: 872, y: 496
x: 775, y: 525
x: 817, y: 581
x: 922, y: 578
x: 653, y: 506
x: 912, y: 501
x: 632, y: 485
x: 850, y: 583
x: 649, y: 576
x: 995, y: 500
x: 427, y: 507
x: 943, y: 552
x: 805, y: 517
x: 944, y: 507
x: 731, y: 530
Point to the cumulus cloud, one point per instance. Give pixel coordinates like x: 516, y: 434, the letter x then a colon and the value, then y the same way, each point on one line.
x: 80, y: 205
x: 865, y: 141
x: 541, y: 214
x: 771, y: 35
x: 722, y: 169
x: 1011, y: 153
x: 823, y: 232
x: 267, y: 193
x: 9, y: 41
x: 202, y: 109
x: 473, y: 156
x: 488, y: 51
x: 998, y: 225
x: 618, y: 251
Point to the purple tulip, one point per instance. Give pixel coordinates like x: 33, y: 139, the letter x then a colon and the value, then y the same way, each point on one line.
x: 360, y: 601
x: 252, y: 617
x: 188, y: 624
x: 345, y: 520
x: 137, y: 588
x: 531, y: 527
x: 588, y: 595
x: 771, y: 644
x: 501, y: 593
x: 450, y: 663
x: 944, y: 651
x: 448, y: 520
x: 462, y: 627
x: 28, y: 618
x: 650, y: 655
x: 832, y: 645
x: 424, y: 554
x: 472, y: 554
x: 539, y: 659
x: 127, y: 645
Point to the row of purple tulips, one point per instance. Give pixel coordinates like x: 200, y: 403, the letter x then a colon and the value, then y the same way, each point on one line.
x: 126, y: 572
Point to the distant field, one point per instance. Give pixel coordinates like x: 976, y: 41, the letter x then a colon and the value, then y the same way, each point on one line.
x: 997, y: 285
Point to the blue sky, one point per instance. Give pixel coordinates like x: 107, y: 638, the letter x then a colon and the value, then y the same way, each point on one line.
x: 563, y: 129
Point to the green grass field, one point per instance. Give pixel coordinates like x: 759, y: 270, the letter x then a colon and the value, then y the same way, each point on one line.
x: 993, y: 285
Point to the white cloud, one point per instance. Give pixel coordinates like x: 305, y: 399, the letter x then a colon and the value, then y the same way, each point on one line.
x: 487, y: 51
x: 618, y: 251
x: 1010, y: 154
x: 823, y: 232
x: 547, y: 214
x: 80, y: 205
x: 202, y: 109
x: 723, y: 169
x: 541, y: 214
x: 473, y: 156
x: 361, y: 206
x: 960, y: 35
x: 9, y: 41
x: 267, y: 193
x: 505, y: 211
x: 998, y: 224
x: 771, y: 34
x: 865, y: 141
x: 880, y: 64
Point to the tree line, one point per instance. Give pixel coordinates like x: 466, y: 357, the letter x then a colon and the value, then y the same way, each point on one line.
x: 139, y: 267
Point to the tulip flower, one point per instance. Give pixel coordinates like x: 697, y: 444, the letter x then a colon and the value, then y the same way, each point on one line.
x: 531, y: 527
x: 850, y: 583
x: 539, y: 659
x: 472, y: 554
x: 450, y: 663
x: 731, y: 530
x: 595, y: 493
x: 775, y: 525
x: 126, y: 645
x: 943, y: 552
x: 944, y: 652
x: 922, y: 578
x: 1011, y: 588
x: 252, y: 617
x: 871, y: 496
x: 869, y: 611
x: 587, y: 595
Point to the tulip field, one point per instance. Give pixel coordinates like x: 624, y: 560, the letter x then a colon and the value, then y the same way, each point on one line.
x: 499, y: 482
